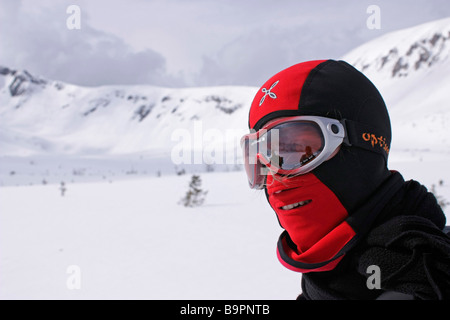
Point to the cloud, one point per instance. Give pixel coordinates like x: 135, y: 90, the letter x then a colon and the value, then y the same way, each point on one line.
x: 37, y: 39
x: 256, y: 54
x: 277, y: 36
x: 197, y: 43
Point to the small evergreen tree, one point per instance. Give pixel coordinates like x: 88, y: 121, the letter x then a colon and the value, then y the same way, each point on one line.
x: 195, y: 196
x: 63, y: 189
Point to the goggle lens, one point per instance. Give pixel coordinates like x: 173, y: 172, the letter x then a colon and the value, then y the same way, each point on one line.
x: 253, y: 167
x: 287, y: 146
x: 293, y: 144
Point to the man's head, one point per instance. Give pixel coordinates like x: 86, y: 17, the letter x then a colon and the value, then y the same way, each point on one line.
x: 332, y: 144
x: 337, y: 91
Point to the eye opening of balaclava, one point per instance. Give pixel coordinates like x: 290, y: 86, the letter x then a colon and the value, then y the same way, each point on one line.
x: 325, y: 221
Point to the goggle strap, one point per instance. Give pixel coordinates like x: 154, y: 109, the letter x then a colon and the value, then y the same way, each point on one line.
x: 366, y: 137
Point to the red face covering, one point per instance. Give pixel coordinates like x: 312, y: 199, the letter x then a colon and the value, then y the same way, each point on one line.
x: 316, y: 227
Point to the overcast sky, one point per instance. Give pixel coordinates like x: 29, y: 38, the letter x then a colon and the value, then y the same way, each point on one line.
x: 180, y: 43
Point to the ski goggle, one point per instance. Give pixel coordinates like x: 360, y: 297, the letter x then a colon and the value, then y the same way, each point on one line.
x: 290, y: 146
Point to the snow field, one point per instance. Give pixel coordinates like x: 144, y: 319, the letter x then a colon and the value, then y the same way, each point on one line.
x: 131, y: 240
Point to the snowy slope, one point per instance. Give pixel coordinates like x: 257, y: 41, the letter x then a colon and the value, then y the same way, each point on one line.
x: 411, y: 68
x: 40, y: 116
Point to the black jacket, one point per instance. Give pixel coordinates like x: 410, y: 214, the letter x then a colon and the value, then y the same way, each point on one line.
x: 408, y: 245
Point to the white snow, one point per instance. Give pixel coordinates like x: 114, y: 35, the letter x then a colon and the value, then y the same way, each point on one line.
x: 131, y: 240
x: 119, y: 222
x: 418, y: 96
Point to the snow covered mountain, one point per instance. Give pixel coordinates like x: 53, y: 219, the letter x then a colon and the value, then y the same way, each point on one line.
x: 40, y: 116
x: 411, y: 68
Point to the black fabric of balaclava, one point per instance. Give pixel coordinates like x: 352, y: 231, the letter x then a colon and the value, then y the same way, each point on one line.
x: 335, y: 89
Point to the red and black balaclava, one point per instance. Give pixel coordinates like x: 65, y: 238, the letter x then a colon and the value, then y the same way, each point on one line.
x: 333, y: 198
